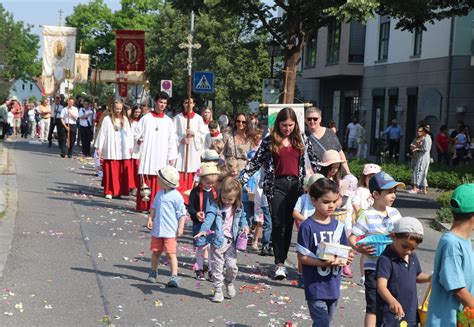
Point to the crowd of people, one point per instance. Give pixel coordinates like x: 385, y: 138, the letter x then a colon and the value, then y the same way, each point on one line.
x: 246, y: 188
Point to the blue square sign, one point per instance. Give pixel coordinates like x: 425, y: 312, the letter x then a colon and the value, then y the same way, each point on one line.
x: 203, y: 82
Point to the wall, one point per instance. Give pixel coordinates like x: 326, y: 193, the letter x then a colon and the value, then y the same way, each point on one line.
x: 24, y: 95
x: 435, y: 43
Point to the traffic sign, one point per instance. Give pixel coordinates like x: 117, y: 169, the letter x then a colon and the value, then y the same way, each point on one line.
x: 203, y: 82
x: 167, y: 86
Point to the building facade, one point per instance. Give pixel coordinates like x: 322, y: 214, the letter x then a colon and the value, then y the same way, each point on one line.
x: 24, y: 90
x: 332, y: 71
x: 409, y: 76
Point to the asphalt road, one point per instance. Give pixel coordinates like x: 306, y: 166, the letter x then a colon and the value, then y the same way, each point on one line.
x: 78, y: 259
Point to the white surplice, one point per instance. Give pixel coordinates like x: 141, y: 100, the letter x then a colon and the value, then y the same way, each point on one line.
x: 114, y: 142
x: 196, y: 145
x: 158, y: 146
x: 136, y: 147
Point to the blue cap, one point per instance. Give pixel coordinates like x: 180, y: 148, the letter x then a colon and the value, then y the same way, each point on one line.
x: 383, y: 181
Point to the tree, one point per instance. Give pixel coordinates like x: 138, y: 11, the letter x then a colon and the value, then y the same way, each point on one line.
x: 94, y: 22
x: 18, y: 51
x: 228, y: 49
x: 301, y: 19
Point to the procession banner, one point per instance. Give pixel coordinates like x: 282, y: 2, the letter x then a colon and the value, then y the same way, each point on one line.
x: 59, y: 48
x: 129, y: 50
x: 81, y: 67
x: 274, y: 109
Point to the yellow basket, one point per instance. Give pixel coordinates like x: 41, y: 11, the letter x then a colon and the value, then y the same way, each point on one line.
x: 340, y: 215
x: 423, y: 308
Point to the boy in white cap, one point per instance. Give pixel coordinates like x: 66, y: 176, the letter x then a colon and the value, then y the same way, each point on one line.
x: 398, y: 271
x: 166, y: 221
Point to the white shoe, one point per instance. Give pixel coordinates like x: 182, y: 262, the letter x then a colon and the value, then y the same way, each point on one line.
x: 108, y: 196
x: 280, y: 273
x: 218, y: 296
x: 230, y: 289
x: 362, y: 281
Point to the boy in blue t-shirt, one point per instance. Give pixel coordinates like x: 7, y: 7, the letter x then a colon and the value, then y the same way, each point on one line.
x: 322, y: 279
x: 398, y: 272
x: 453, y: 276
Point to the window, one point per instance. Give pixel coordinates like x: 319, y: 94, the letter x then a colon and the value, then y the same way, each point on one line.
x: 31, y: 87
x: 357, y: 43
x: 334, y: 39
x: 384, y: 37
x: 310, y: 58
x: 417, y: 43
x: 23, y: 87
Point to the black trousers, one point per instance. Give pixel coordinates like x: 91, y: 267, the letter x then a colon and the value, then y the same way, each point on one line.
x: 285, y: 195
x: 72, y: 139
x: 85, y: 133
x: 55, y: 122
x: 393, y: 148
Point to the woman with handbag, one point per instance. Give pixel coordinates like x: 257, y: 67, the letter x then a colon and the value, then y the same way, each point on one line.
x: 237, y: 143
x: 322, y: 138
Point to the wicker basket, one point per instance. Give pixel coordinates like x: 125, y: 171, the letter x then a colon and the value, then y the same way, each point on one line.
x: 340, y: 215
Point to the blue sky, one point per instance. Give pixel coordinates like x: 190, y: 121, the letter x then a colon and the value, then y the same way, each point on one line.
x: 45, y: 12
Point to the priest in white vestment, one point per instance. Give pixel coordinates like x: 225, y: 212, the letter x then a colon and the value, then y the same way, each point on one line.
x: 114, y: 144
x: 156, y: 134
x: 194, y: 137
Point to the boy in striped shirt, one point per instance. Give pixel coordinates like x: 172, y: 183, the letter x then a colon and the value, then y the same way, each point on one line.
x: 377, y: 220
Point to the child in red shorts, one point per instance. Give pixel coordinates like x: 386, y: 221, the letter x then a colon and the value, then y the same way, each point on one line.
x: 166, y: 221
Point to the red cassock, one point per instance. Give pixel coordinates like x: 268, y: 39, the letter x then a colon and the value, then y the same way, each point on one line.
x: 185, y: 184
x: 134, y: 180
x: 116, y: 179
x: 152, y: 182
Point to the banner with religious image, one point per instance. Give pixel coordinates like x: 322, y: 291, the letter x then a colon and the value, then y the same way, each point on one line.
x: 59, y: 48
x: 81, y: 67
x: 129, y: 50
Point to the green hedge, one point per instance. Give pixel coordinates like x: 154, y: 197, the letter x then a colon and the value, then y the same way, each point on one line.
x: 439, y: 176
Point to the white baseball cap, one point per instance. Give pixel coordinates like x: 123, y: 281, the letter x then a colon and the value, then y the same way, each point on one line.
x: 408, y: 225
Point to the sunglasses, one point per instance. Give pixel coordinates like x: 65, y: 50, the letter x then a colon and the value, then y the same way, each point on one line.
x: 241, y: 122
x: 312, y: 118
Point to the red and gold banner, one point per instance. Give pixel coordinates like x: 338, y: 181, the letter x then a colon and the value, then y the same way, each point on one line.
x: 130, y: 50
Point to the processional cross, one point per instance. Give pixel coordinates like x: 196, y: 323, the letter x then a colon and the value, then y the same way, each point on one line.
x: 190, y: 46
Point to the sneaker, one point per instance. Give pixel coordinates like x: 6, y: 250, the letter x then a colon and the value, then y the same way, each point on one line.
x: 173, y: 282
x: 347, y: 271
x: 152, y: 277
x: 200, y: 275
x: 280, y: 273
x: 218, y: 296
x: 270, y: 251
x: 230, y: 290
x: 300, y: 281
x: 362, y: 281
x: 108, y: 196
x: 210, y: 276
x: 264, y: 252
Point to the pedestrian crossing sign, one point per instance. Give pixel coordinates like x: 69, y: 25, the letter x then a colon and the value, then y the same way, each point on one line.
x: 203, y: 82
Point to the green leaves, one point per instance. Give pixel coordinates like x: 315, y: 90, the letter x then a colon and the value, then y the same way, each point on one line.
x: 18, y: 50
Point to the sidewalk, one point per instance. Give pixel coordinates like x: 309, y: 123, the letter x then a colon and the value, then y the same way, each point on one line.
x: 8, y: 200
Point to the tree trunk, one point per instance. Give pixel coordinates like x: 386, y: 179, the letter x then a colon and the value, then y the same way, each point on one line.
x: 291, y: 67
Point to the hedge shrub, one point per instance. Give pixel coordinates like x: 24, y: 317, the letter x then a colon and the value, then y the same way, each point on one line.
x: 439, y: 176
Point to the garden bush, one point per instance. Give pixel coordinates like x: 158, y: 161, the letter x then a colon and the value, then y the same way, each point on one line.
x: 439, y: 176
x: 445, y: 215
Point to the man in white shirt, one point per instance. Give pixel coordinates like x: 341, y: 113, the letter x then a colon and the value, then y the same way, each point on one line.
x: 85, y: 122
x: 156, y: 134
x: 69, y: 117
x: 351, y: 135
x: 56, y: 109
x: 194, y: 137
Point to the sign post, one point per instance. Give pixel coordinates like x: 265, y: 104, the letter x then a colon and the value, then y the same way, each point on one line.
x: 166, y: 85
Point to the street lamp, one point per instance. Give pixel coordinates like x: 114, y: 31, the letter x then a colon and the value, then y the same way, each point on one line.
x: 273, y: 48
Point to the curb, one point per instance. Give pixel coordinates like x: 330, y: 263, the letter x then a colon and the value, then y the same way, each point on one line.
x: 439, y: 225
x: 9, y: 186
